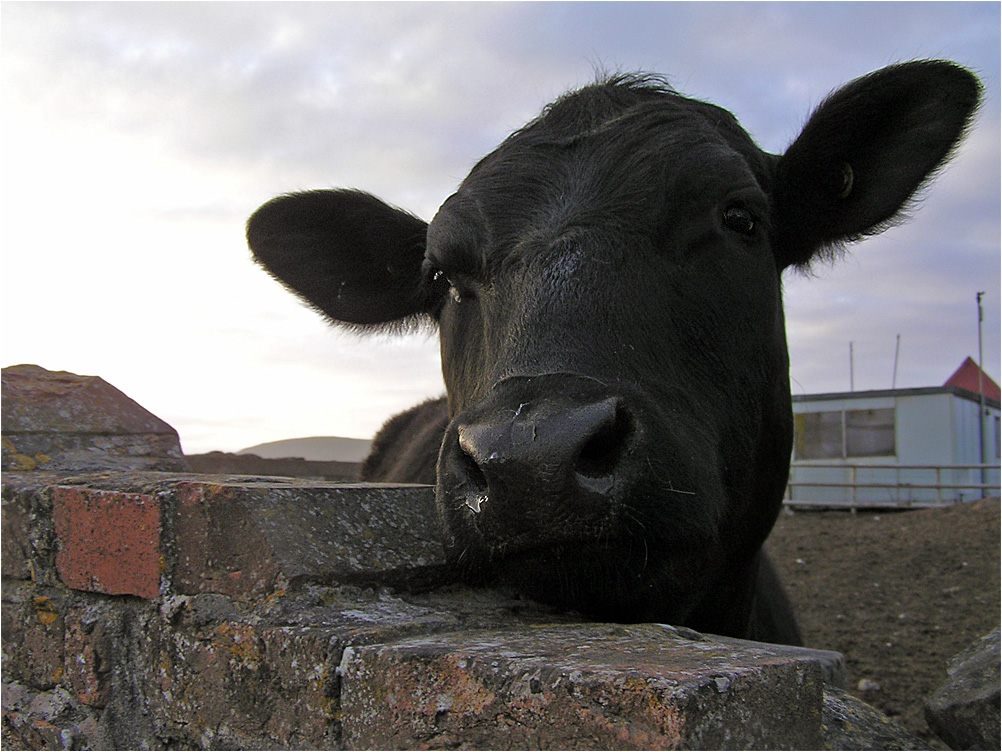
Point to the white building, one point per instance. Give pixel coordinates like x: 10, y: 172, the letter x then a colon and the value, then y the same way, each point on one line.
x: 898, y: 445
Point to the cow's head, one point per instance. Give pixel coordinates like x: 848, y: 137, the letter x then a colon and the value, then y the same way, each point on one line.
x: 607, y: 288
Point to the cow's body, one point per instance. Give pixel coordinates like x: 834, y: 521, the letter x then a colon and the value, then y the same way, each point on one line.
x: 617, y: 428
x: 406, y: 449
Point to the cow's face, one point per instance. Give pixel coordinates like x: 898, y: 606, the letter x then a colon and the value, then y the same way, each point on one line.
x: 614, y: 355
x: 606, y: 285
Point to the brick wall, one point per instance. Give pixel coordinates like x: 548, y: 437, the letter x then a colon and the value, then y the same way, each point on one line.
x: 154, y: 610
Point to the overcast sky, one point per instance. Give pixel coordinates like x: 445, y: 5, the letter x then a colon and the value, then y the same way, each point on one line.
x: 138, y: 137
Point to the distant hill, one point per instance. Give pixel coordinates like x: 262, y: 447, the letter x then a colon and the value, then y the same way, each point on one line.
x: 320, y: 448
x: 223, y: 463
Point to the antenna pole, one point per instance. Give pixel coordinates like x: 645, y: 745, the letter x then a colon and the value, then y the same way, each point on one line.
x: 981, y: 392
x: 897, y: 349
x: 852, y: 370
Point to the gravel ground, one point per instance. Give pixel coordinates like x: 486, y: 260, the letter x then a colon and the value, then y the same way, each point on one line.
x: 898, y: 593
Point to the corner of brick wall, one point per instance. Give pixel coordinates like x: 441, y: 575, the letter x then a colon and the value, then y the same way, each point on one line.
x: 162, y: 610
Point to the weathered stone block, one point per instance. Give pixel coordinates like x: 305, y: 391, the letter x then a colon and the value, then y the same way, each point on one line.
x: 28, y: 536
x: 33, y: 629
x: 849, y: 723
x: 61, y: 422
x: 964, y: 711
x: 236, y: 684
x: 15, y: 554
x: 265, y: 676
x: 832, y: 664
x: 576, y: 687
x: 247, y: 539
x: 47, y: 720
x: 88, y: 651
x: 109, y: 542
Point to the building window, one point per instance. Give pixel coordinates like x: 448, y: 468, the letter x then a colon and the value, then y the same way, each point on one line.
x: 869, y: 433
x: 818, y: 436
x: 842, y: 434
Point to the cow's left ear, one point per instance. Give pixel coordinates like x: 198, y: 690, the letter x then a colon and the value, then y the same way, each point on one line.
x: 349, y: 255
x: 864, y: 153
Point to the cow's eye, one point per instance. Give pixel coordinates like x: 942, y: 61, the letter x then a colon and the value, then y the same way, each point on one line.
x: 435, y: 278
x: 740, y: 220
x: 440, y: 279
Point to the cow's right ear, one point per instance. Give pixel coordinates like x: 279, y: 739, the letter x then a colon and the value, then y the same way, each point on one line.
x: 346, y: 253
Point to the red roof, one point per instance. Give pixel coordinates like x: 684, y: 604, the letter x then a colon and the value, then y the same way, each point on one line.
x: 966, y: 377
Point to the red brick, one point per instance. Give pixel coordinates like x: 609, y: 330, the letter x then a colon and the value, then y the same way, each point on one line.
x: 109, y: 542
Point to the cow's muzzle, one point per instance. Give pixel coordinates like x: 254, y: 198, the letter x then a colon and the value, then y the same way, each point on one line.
x: 542, y: 459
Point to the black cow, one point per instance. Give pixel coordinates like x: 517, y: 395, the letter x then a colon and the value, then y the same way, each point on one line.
x: 617, y: 429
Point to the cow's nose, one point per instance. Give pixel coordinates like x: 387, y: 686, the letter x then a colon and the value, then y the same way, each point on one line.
x: 534, y: 459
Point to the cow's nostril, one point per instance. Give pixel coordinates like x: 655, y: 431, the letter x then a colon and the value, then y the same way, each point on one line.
x: 603, y: 451
x: 471, y: 483
x: 473, y: 475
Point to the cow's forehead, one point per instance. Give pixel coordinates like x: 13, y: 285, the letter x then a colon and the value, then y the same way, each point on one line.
x: 629, y: 114
x: 609, y: 155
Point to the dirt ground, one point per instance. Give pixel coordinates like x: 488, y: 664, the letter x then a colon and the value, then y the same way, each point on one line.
x: 898, y: 593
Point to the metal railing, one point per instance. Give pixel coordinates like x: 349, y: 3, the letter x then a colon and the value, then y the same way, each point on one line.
x: 894, y: 486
